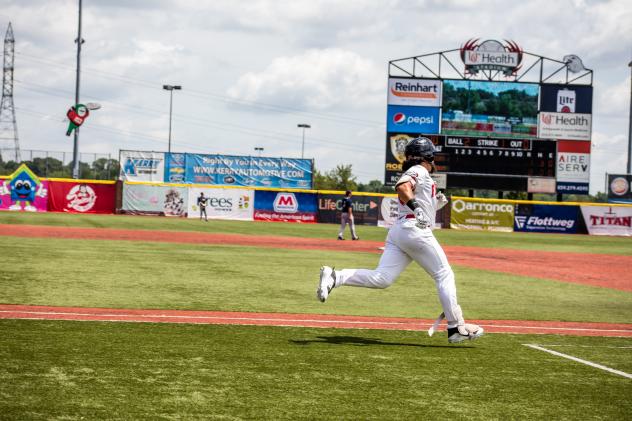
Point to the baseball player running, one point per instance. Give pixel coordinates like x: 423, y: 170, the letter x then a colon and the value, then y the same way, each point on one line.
x: 411, y: 238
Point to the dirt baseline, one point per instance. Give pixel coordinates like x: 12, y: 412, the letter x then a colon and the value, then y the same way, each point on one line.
x: 607, y: 271
x: 302, y: 320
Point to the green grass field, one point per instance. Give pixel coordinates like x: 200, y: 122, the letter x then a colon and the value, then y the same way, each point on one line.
x: 105, y: 370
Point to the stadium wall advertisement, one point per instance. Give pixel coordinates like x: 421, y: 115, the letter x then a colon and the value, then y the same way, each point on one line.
x: 175, y: 167
x: 573, y: 167
x: 482, y: 215
x: 80, y: 197
x: 619, y: 188
x: 407, y: 119
x: 248, y: 171
x: 148, y: 199
x: 285, y: 206
x: 142, y: 166
x: 566, y: 98
x: 608, y: 220
x: 546, y: 218
x: 237, y: 204
x: 564, y: 126
x: 414, y: 92
x: 365, y: 208
x: 24, y: 191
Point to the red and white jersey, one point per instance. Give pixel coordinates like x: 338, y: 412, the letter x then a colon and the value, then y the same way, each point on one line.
x: 425, y: 190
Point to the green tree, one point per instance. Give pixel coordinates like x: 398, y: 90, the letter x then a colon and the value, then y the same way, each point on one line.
x: 340, y: 178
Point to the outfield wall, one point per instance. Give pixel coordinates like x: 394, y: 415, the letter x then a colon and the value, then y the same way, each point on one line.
x: 312, y: 206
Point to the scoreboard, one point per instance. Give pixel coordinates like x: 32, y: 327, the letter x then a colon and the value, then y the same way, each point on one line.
x: 480, y: 162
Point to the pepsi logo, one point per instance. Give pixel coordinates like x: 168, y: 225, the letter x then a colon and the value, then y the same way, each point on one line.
x: 399, y: 118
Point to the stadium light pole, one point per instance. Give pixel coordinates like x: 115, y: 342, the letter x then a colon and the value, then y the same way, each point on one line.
x: 303, y: 126
x: 75, y: 146
x: 170, y: 88
x: 259, y: 150
x: 629, y: 166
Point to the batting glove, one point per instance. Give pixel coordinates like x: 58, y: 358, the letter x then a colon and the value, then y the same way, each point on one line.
x: 441, y: 200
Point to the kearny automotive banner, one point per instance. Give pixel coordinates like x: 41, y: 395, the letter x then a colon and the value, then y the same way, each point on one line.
x: 414, y: 92
x: 142, y: 166
x: 608, y: 220
x: 478, y: 214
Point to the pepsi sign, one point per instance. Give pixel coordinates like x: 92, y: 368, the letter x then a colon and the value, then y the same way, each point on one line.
x: 407, y: 119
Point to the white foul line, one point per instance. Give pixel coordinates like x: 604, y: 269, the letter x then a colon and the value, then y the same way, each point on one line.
x: 579, y: 360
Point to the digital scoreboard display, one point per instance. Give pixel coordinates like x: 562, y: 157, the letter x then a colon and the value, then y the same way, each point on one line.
x: 480, y: 163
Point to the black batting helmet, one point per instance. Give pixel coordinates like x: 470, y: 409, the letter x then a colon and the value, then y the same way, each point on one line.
x: 420, y: 147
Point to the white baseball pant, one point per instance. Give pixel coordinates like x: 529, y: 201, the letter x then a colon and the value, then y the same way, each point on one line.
x: 406, y: 242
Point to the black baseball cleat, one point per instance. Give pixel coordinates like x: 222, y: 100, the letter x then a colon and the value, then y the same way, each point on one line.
x: 340, y: 237
x: 465, y: 332
x: 355, y: 238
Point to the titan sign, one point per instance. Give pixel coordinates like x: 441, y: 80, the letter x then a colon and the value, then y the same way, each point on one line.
x: 414, y: 92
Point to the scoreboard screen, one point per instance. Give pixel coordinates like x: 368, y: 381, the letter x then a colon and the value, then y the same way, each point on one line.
x: 480, y: 162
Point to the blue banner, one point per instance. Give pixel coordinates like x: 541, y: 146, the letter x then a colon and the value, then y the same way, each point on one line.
x: 546, y: 218
x: 566, y: 98
x: 249, y: 171
x: 174, y: 167
x: 285, y: 206
x: 572, y: 188
x: 407, y: 119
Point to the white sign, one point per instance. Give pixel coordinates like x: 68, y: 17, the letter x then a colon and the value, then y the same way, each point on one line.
x: 142, y: 166
x: 608, y: 220
x: 565, y: 101
x: 389, y: 209
x: 490, y: 59
x: 223, y: 203
x: 564, y: 126
x: 541, y: 185
x: 414, y: 92
x: 573, y: 167
x: 81, y: 198
x: 440, y: 179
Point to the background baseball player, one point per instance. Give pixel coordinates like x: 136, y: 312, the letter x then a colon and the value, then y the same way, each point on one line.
x: 411, y: 238
x: 346, y: 217
x: 202, y: 202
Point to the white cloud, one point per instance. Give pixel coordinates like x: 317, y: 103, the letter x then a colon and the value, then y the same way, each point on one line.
x: 316, y: 79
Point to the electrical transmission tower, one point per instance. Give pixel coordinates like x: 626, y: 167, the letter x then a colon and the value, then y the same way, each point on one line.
x: 8, y: 126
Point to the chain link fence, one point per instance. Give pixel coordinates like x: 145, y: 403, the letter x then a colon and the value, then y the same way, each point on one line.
x: 55, y: 164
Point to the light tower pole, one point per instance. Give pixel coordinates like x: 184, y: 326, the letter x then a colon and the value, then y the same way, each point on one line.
x: 303, y: 126
x: 8, y: 125
x: 75, y: 147
x: 629, y: 166
x: 170, y: 88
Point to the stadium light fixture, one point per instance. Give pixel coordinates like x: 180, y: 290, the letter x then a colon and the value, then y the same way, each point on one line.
x: 303, y: 126
x: 170, y: 88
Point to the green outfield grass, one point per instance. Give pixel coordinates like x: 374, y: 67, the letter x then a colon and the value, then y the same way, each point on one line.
x: 96, y: 370
x: 126, y: 274
x: 528, y: 241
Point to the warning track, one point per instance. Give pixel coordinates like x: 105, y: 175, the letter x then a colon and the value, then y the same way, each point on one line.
x: 301, y: 320
x: 607, y: 271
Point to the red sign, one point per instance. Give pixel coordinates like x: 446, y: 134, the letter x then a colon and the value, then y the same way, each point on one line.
x: 78, y: 197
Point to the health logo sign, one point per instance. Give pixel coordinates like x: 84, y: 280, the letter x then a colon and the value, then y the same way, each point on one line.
x: 491, y: 55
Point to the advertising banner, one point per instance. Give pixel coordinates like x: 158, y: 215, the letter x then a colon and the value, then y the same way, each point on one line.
x: 480, y: 108
x: 23, y: 191
x: 608, y: 220
x: 285, y: 206
x: 541, y: 185
x: 546, y: 218
x: 407, y: 119
x: 564, y: 126
x: 77, y: 197
x: 175, y: 167
x: 365, y: 208
x: 414, y: 92
x: 467, y: 213
x: 573, y: 167
x: 144, y: 199
x: 222, y: 203
x: 566, y: 98
x: 388, y: 211
x: 248, y: 171
x: 142, y: 166
x: 395, y: 145
x: 620, y: 188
